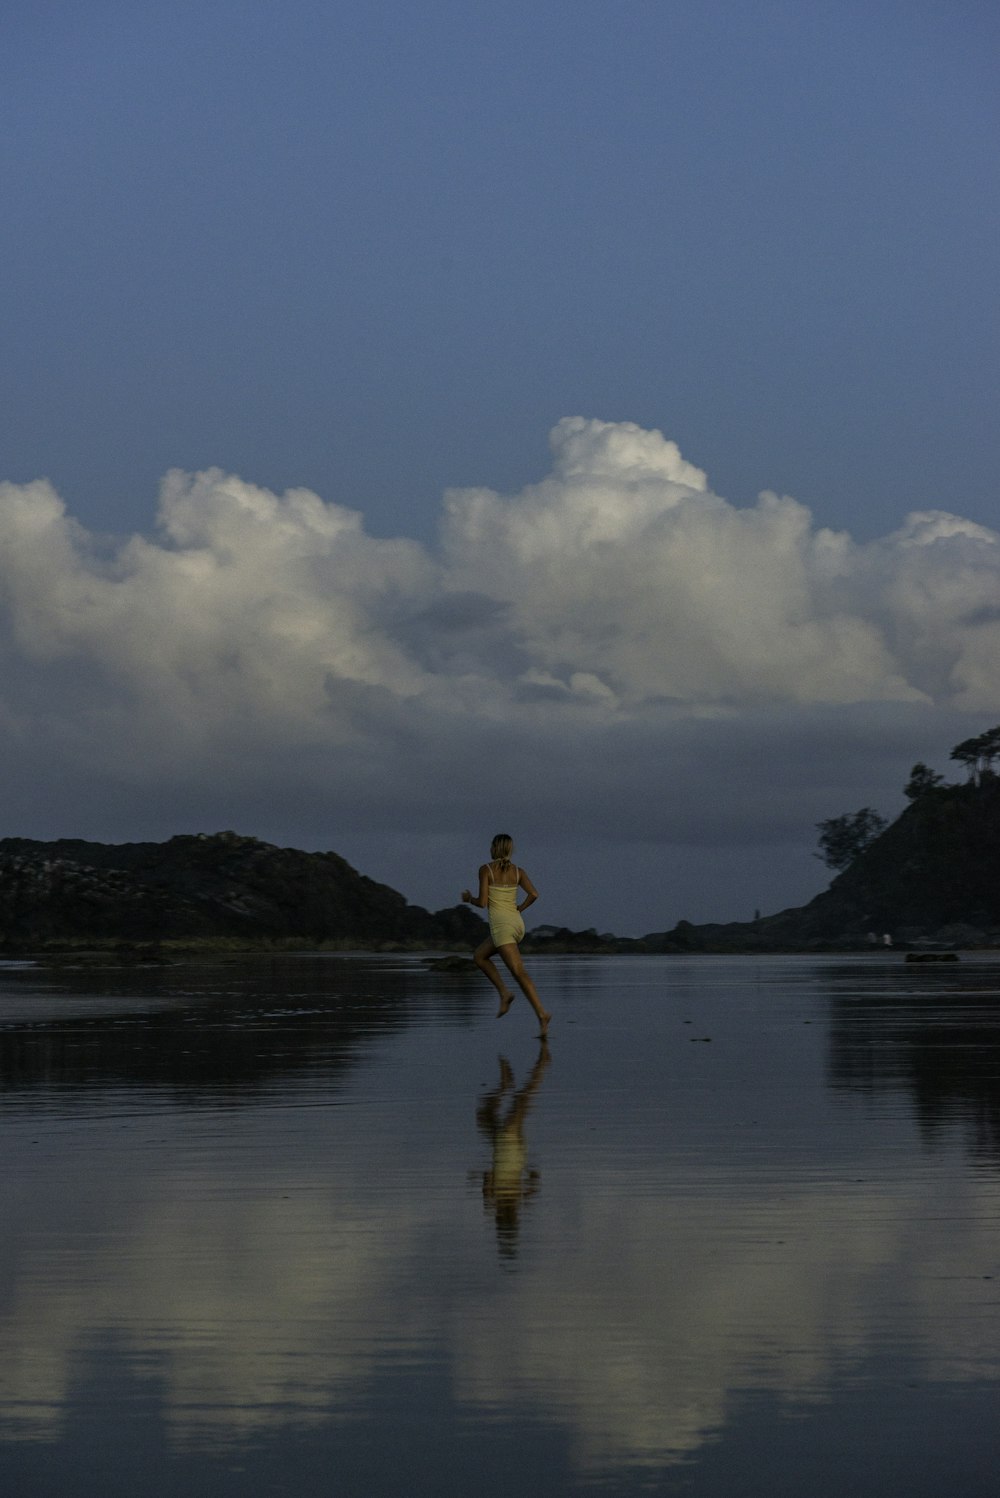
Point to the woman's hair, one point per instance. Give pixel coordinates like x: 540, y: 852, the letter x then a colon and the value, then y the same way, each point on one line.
x: 501, y: 848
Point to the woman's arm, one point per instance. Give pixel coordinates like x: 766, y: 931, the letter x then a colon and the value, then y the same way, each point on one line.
x: 483, y: 898
x: 529, y: 890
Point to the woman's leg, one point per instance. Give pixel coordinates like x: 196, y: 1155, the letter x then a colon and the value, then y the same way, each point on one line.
x: 514, y: 962
x: 481, y: 957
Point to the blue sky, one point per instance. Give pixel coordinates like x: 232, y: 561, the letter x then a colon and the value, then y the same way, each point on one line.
x: 380, y: 252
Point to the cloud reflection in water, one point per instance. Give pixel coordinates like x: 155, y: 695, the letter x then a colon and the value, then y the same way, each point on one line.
x: 270, y: 1267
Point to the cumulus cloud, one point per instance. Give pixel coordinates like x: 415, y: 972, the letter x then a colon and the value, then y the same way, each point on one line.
x: 608, y: 625
x: 629, y: 574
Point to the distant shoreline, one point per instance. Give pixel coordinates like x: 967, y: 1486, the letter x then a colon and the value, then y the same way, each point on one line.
x: 107, y: 954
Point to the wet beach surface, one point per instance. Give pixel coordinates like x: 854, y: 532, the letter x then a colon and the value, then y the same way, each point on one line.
x: 322, y: 1225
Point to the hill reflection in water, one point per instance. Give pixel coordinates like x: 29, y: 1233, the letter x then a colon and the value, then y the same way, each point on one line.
x: 933, y: 1033
x: 244, y: 1250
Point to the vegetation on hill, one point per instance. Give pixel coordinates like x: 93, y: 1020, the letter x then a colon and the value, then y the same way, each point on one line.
x: 936, y: 867
x: 932, y: 877
x: 204, y: 887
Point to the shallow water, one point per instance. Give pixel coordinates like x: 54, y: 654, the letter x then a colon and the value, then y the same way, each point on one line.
x: 321, y: 1225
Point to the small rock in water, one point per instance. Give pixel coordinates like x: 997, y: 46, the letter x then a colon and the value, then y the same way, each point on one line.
x: 450, y: 964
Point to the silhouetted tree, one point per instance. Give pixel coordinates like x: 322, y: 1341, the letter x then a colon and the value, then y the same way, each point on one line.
x: 967, y: 754
x: 922, y: 779
x: 843, y: 839
x: 977, y: 754
x: 989, y: 750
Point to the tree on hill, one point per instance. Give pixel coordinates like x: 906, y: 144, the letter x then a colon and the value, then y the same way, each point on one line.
x: 922, y: 779
x: 978, y: 753
x: 843, y: 839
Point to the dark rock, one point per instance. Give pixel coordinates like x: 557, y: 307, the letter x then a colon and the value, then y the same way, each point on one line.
x: 201, y: 887
x: 932, y: 876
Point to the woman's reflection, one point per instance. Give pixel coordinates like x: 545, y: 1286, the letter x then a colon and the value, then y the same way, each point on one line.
x: 501, y: 1117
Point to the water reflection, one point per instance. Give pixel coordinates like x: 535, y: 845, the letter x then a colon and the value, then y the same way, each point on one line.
x: 509, y: 1183
x: 301, y: 1283
x: 932, y: 1033
x: 227, y: 1031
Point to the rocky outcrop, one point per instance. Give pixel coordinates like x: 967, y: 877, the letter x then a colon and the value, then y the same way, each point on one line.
x: 204, y: 887
x: 932, y: 877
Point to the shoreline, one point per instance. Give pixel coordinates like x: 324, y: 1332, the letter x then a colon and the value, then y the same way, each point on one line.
x: 110, y: 953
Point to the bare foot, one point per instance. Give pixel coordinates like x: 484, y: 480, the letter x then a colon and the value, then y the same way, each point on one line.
x: 505, y: 1002
x: 543, y: 1033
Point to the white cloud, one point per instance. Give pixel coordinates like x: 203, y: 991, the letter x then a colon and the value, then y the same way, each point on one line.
x: 606, y: 626
x: 629, y: 569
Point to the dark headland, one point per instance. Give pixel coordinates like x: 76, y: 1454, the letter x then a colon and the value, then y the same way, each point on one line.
x: 203, y: 889
x: 930, y: 879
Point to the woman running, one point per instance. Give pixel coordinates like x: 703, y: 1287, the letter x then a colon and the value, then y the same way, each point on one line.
x: 499, y: 882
